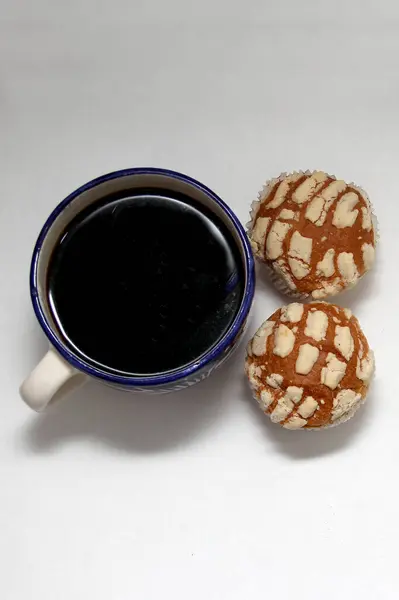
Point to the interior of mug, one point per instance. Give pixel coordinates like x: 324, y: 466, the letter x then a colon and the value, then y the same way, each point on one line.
x: 111, y: 184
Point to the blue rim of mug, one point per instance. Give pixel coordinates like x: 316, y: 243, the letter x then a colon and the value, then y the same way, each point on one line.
x: 158, y: 378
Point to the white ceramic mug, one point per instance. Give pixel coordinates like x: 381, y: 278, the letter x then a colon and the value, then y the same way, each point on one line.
x: 62, y: 371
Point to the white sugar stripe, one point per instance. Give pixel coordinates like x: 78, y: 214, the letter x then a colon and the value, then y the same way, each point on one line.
x: 343, y: 341
x: 301, y: 247
x: 309, y: 187
x: 308, y: 407
x: 283, y: 190
x: 284, y: 341
x: 282, y: 410
x: 259, y: 341
x: 307, y: 357
x: 326, y: 266
x: 347, y: 267
x: 298, y: 269
x: 366, y: 221
x: 368, y: 255
x: 295, y: 422
x: 274, y: 241
x: 333, y: 372
x: 316, y: 325
x: 344, y: 215
x: 259, y: 231
x: 320, y: 205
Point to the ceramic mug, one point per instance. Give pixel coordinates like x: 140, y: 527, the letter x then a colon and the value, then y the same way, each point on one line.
x: 61, y: 371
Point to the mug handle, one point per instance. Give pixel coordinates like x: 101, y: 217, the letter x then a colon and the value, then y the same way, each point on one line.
x: 51, y: 380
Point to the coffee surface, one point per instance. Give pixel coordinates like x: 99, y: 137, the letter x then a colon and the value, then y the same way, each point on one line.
x: 144, y: 282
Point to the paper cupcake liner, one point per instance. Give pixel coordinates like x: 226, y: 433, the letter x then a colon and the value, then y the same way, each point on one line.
x: 277, y: 279
x: 281, y: 285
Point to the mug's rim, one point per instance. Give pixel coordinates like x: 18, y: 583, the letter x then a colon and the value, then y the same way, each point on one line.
x: 159, y: 378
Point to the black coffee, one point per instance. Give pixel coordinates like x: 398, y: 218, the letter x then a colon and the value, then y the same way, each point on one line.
x: 144, y: 282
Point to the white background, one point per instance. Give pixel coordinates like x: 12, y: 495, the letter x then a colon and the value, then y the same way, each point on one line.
x: 196, y: 495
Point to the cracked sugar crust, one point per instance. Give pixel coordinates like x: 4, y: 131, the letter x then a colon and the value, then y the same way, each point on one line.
x: 314, y: 231
x: 313, y: 366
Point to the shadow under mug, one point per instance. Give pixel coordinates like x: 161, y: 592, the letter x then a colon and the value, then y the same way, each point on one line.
x: 61, y: 371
